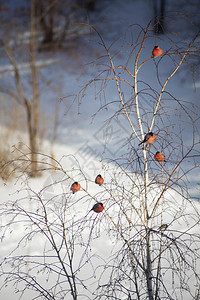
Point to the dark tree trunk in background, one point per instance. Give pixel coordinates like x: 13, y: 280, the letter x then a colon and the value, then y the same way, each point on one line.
x: 87, y: 4
x: 91, y: 5
x: 159, y: 16
x: 45, y: 15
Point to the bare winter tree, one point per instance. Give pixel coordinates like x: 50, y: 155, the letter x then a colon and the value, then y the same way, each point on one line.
x: 31, y: 106
x: 27, y: 28
x: 51, y: 272
x: 151, y: 197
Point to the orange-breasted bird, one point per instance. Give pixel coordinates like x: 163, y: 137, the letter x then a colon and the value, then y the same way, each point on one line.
x: 157, y: 51
x: 75, y: 187
x: 159, y: 157
x: 149, y: 138
x: 98, y: 207
x: 99, y: 180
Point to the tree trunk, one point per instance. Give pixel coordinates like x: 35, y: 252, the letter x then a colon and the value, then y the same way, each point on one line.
x: 149, y: 276
x: 32, y: 140
x: 148, y: 240
x: 34, y: 115
x: 159, y: 15
x: 46, y: 21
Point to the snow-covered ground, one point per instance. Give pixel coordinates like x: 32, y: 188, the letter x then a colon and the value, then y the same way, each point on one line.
x: 81, y: 138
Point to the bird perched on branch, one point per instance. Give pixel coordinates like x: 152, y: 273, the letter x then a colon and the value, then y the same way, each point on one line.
x: 99, y: 180
x: 157, y: 51
x: 98, y: 207
x: 163, y: 227
x: 149, y: 138
x: 75, y: 187
x: 159, y: 157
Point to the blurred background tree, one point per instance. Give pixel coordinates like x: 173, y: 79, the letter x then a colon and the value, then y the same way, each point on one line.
x: 28, y: 28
